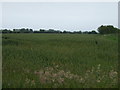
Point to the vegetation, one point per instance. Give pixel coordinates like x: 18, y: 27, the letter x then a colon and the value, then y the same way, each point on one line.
x: 23, y: 30
x: 59, y: 60
x: 107, y: 29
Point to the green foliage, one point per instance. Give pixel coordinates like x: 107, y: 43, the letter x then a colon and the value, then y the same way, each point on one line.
x: 6, y: 31
x: 59, y: 60
x: 107, y: 29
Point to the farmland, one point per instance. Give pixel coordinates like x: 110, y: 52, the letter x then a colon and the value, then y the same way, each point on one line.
x: 59, y: 61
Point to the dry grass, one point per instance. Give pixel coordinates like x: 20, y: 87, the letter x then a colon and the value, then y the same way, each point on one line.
x: 57, y: 77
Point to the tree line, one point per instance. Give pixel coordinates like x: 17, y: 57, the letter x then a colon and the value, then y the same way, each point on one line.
x: 109, y: 29
x: 23, y: 30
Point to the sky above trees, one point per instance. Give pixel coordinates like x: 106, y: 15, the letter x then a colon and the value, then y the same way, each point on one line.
x: 59, y: 15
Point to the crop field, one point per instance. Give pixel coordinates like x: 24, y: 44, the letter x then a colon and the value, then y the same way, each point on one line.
x: 59, y: 61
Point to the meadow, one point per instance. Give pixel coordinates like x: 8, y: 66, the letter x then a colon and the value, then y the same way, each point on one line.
x: 59, y: 61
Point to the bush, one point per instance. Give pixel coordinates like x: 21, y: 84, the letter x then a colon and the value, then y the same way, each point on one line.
x: 107, y: 29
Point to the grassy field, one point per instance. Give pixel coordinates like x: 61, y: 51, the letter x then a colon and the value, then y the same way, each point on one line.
x: 59, y: 61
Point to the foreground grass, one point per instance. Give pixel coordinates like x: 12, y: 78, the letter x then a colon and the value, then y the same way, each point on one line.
x: 59, y: 60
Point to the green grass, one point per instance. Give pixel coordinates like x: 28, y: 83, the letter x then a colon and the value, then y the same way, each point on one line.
x: 59, y: 60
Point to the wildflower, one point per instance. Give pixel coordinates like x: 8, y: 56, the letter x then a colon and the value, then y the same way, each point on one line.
x: 81, y: 80
x: 32, y: 82
x: 50, y: 69
x: 66, y: 75
x: 53, y: 80
x: 68, y: 72
x: 71, y: 76
x: 47, y: 73
x: 61, y: 73
x: 92, y: 69
x: 88, y: 71
x: 43, y: 79
x: 27, y: 80
x: 60, y: 80
x: 98, y: 80
x: 98, y: 66
x: 39, y: 72
x: 76, y: 76
x: 36, y: 72
x: 56, y: 66
x: 54, y: 75
x: 113, y: 74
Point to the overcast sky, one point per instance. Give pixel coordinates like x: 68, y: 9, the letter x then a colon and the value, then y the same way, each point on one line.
x: 60, y: 15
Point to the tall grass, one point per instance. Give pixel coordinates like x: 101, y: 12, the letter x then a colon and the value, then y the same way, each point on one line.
x: 59, y: 60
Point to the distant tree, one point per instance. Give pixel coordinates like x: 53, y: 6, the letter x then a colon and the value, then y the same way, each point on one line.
x: 42, y: 30
x: 77, y: 32
x: 107, y: 29
x: 31, y: 30
x: 85, y: 32
x: 92, y: 32
x: 66, y: 31
x: 36, y: 32
x: 51, y: 31
x: 22, y: 30
x: 6, y: 31
x: 16, y: 31
x: 58, y: 31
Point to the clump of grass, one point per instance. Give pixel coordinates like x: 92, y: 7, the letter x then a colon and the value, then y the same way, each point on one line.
x: 57, y: 77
